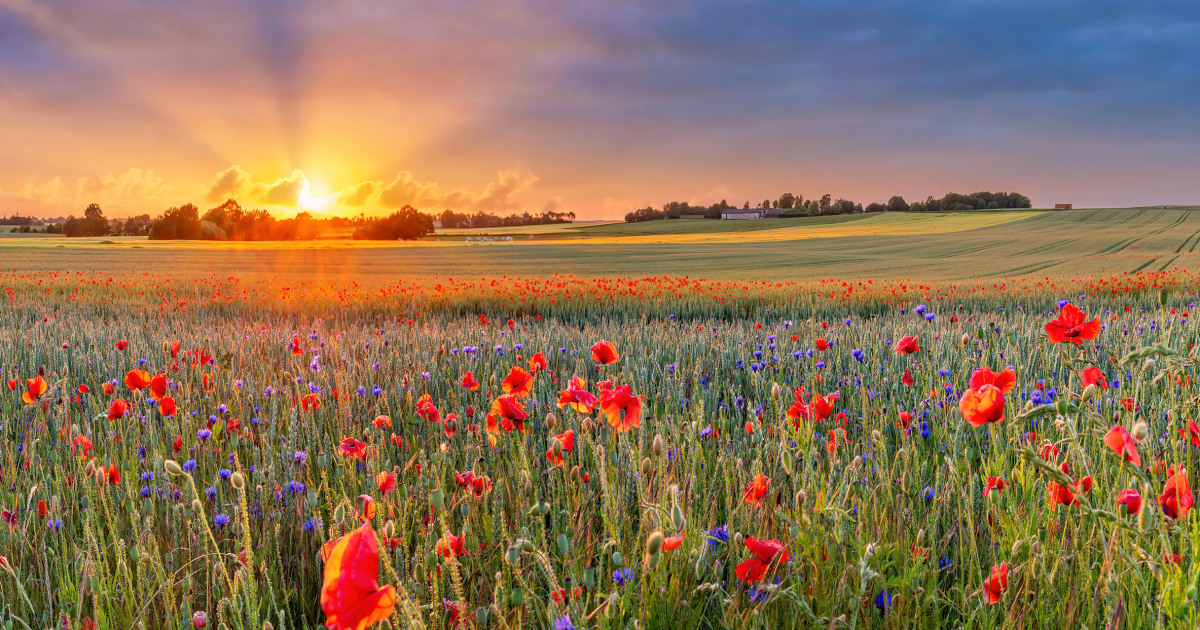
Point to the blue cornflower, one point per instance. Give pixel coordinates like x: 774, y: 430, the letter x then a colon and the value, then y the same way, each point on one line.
x: 718, y: 535
x: 620, y: 576
x: 564, y: 623
x: 221, y: 520
x: 883, y: 601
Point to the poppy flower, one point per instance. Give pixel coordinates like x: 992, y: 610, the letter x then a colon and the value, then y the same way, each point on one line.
x: 35, y: 389
x: 907, y: 378
x: 510, y: 412
x: 567, y: 441
x: 577, y: 396
x: 612, y: 403
x: 450, y: 426
x: 158, y: 386
x: 118, y: 409
x: 83, y: 389
x: 821, y: 344
x: 1070, y: 326
x: 366, y: 507
x: 1093, y: 376
x: 450, y: 545
x: 385, y: 482
x: 468, y: 382
x: 1004, y: 380
x: 537, y: 362
x: 1192, y: 433
x: 351, y: 596
x: 12, y: 384
x: 994, y: 483
x: 173, y: 348
x: 983, y: 405
x: 1120, y: 442
x: 295, y: 345
x: 426, y: 410
x: 310, y: 402
x: 1176, y: 498
x: 114, y: 475
x: 672, y: 542
x: 351, y: 447
x: 120, y: 345
x: 166, y: 406
x: 518, y: 382
x: 817, y: 409
x: 479, y: 485
x: 605, y: 352
x: 757, y: 490
x: 1131, y: 499
x: 137, y: 380
x: 765, y: 553
x: 996, y: 583
x: 907, y: 345
x: 382, y: 422
x: 107, y: 388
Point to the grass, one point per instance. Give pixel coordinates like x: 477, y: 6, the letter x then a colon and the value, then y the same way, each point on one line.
x: 882, y: 496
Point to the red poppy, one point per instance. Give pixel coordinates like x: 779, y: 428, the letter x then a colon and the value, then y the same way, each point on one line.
x: 158, y: 386
x: 450, y: 426
x: 426, y: 410
x: 766, y: 553
x: 672, y: 542
x: 576, y: 395
x: 983, y: 405
x: 310, y: 402
x: 295, y: 345
x: 821, y: 344
x: 605, y: 352
x: 1192, y: 433
x: 518, y: 382
x: 1093, y: 376
x: 1005, y: 380
x: 479, y: 485
x: 366, y: 507
x: 382, y: 422
x: 450, y: 545
x: 537, y: 362
x: 612, y: 403
x: 351, y: 447
x: 567, y: 441
x: 42, y: 510
x: 137, y: 380
x: 107, y: 388
x: 1070, y: 326
x: 469, y: 382
x: 907, y: 378
x: 83, y: 389
x: 114, y: 475
x: 994, y: 483
x: 1131, y: 499
x: 35, y: 389
x: 907, y: 345
x: 118, y: 409
x: 996, y: 583
x: 757, y: 490
x: 1176, y: 498
x: 351, y: 596
x: 166, y: 406
x: 1120, y: 442
x: 173, y: 348
x: 12, y: 384
x: 120, y: 345
x: 818, y: 409
x: 510, y: 412
x: 385, y: 482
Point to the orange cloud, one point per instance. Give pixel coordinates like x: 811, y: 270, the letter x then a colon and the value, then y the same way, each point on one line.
x: 496, y: 196
x: 236, y: 181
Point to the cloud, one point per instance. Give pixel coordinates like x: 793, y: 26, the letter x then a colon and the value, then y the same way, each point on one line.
x: 134, y: 185
x: 358, y: 194
x: 49, y: 192
x: 497, y: 196
x: 235, y: 182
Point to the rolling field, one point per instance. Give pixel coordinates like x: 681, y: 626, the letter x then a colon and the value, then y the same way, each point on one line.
x: 958, y: 248
x: 879, y: 426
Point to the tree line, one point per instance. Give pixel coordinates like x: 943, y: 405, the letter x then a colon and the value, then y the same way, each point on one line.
x: 230, y: 222
x: 451, y: 219
x: 793, y: 205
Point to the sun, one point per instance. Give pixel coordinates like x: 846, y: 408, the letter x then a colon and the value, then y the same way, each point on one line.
x: 309, y: 200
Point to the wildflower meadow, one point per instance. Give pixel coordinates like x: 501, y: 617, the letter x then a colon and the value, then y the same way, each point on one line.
x: 565, y: 453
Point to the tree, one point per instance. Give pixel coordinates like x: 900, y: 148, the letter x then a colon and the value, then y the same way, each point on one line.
x: 897, y: 204
x: 182, y: 222
x: 405, y: 224
x: 875, y: 207
x: 786, y: 201
x: 826, y: 201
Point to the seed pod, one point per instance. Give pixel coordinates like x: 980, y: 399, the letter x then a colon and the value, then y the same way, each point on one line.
x: 481, y: 617
x: 966, y: 339
x: 737, y: 540
x: 575, y: 473
x: 775, y: 390
x: 800, y: 498
x: 551, y: 420
x: 1141, y: 431
x: 654, y: 542
x: 616, y: 558
x: 196, y: 505
x: 677, y: 518
x: 563, y: 544
x: 237, y: 481
x: 647, y: 466
x: 657, y: 446
x: 172, y: 467
x: 556, y: 446
x: 1088, y: 393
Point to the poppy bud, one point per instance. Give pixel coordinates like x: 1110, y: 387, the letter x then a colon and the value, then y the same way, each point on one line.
x: 575, y: 473
x: 616, y: 558
x: 527, y: 546
x: 586, y: 425
x: 90, y: 468
x: 1141, y: 431
x: 551, y: 420
x: 657, y: 446
x: 196, y: 505
x: 481, y: 617
x: 563, y: 544
x: 652, y: 561
x: 101, y: 476
x: 518, y: 595
x: 1148, y: 365
x: 339, y: 514
x: 801, y: 496
x: 737, y: 540
x: 267, y: 625
x: 172, y: 467
x: 775, y: 390
x: 513, y: 555
x: 677, y: 518
x: 654, y: 542
x: 199, y: 619
x: 237, y: 480
x: 1088, y: 393
x: 966, y: 339
x: 556, y: 446
x: 647, y: 466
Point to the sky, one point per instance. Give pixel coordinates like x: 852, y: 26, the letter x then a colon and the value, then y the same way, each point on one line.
x: 364, y: 106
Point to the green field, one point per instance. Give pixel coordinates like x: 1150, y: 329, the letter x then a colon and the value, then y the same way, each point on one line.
x: 1032, y: 244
